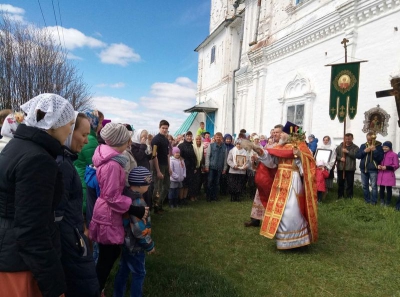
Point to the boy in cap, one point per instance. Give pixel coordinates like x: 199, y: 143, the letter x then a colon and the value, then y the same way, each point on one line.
x: 137, y: 237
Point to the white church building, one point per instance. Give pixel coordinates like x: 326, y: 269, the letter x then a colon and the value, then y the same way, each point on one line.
x: 263, y: 63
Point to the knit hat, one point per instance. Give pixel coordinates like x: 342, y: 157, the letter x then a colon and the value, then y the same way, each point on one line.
x: 320, y: 163
x: 175, y: 150
x: 388, y: 144
x: 139, y: 176
x: 115, y: 134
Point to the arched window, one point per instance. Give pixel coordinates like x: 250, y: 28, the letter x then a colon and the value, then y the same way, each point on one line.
x: 212, y: 55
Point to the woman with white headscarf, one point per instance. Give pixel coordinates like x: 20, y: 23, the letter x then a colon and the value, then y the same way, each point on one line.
x: 238, y: 161
x: 31, y: 187
x: 330, y: 165
x: 77, y: 260
x: 142, y: 154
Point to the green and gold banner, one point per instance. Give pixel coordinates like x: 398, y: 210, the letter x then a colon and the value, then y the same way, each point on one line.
x: 344, y: 90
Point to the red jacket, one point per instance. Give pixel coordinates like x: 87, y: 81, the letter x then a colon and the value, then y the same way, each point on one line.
x: 321, y: 175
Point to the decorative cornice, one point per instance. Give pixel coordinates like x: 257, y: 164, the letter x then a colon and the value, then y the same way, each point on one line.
x: 214, y: 87
x: 345, y: 15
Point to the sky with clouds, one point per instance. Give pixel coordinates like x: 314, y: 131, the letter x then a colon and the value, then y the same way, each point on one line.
x: 137, y: 57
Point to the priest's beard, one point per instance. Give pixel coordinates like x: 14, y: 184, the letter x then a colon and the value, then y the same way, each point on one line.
x: 283, y: 141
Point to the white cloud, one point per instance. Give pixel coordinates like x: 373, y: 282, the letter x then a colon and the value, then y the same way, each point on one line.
x: 71, y: 56
x: 117, y: 85
x: 166, y: 101
x: 11, y: 9
x: 171, y: 97
x: 119, y: 54
x: 13, y: 13
x: 74, y: 38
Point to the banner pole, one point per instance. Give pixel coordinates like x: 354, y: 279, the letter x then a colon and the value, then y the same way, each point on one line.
x: 344, y: 42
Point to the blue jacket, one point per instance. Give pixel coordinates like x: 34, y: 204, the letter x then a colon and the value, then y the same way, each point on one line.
x: 137, y: 237
x: 313, y: 145
x: 93, y: 191
x: 370, y: 161
x: 216, y: 157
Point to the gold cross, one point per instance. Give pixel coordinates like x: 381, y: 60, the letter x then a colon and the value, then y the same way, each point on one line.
x: 342, y: 108
x: 352, y: 109
x: 333, y: 110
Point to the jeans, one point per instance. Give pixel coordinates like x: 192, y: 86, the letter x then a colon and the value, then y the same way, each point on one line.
x: 366, y: 179
x: 130, y: 263
x: 173, y: 196
x: 213, y: 182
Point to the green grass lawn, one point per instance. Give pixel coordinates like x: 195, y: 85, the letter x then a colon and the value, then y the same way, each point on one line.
x: 204, y: 250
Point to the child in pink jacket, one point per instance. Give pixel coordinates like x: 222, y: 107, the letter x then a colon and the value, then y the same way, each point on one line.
x: 321, y: 174
x: 106, y: 227
x: 386, y: 177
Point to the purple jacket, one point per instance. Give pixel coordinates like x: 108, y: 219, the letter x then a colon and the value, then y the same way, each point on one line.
x: 387, y: 177
x: 178, y: 169
x: 106, y: 226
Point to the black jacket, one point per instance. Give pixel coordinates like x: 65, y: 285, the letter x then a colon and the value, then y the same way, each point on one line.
x: 31, y: 187
x: 188, y: 155
x: 76, y: 258
x: 139, y: 153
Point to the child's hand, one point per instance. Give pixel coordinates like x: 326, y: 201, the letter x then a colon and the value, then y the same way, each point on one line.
x: 152, y: 251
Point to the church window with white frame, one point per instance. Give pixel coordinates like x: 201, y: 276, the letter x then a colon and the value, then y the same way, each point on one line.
x: 212, y: 55
x: 295, y: 114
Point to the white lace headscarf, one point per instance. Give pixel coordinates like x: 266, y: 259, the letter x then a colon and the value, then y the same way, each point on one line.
x: 68, y: 142
x: 59, y: 111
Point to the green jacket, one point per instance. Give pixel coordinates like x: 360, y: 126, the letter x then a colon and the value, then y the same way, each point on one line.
x: 84, y: 159
x: 350, y: 157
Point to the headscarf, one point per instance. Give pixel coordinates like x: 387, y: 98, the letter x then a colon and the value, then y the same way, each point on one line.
x: 68, y: 142
x: 228, y: 146
x: 199, y: 151
x: 136, y: 135
x: 236, y: 151
x: 93, y: 116
x: 11, y: 123
x: 331, y: 147
x: 59, y: 111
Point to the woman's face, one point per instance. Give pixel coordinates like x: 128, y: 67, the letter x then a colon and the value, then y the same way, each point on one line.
x: 61, y: 133
x: 326, y: 140
x: 189, y: 138
x: 144, y: 134
x: 238, y: 146
x: 198, y: 140
x: 80, y: 136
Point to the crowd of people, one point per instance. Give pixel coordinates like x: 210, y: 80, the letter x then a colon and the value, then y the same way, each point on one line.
x: 76, y: 190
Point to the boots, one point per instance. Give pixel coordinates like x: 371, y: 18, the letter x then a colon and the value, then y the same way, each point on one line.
x: 252, y: 223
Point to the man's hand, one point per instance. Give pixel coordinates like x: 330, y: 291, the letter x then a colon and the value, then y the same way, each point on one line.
x: 345, y: 151
x: 260, y: 151
x: 342, y: 159
x: 372, y: 148
x: 206, y: 169
x: 160, y: 175
x: 223, y: 171
x: 152, y: 251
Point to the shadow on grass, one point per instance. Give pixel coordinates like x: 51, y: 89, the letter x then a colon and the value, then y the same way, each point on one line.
x: 185, y: 280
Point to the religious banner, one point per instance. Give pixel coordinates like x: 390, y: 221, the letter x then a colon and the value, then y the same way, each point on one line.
x: 344, y: 90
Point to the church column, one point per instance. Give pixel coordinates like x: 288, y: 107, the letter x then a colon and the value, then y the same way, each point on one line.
x: 262, y: 98
x: 254, y: 102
